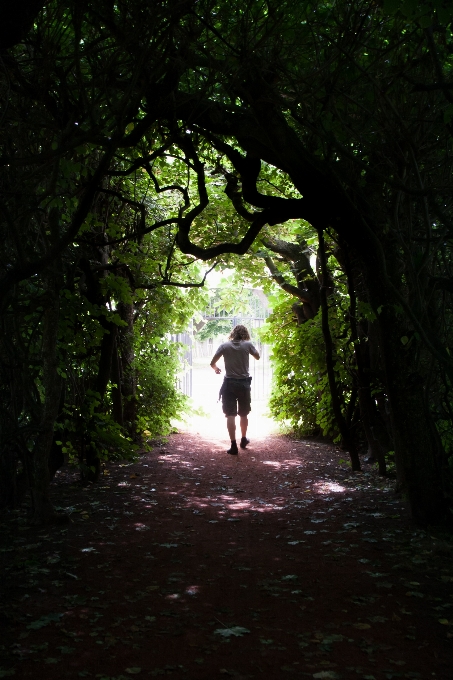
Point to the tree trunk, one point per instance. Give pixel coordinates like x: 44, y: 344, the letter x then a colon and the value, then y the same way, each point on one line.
x: 57, y: 458
x: 376, y: 450
x: 345, y: 431
x: 361, y: 352
x: 105, y: 357
x: 8, y: 476
x: 12, y: 489
x: 129, y: 384
x: 42, y: 509
x: 117, y: 403
x: 417, y: 453
x: 92, y: 469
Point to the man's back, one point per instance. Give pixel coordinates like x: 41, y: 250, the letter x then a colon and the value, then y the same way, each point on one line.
x: 236, y: 356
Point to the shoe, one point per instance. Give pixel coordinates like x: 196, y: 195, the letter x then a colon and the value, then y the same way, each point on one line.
x: 234, y: 449
x: 244, y: 442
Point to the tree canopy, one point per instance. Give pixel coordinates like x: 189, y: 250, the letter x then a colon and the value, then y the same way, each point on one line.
x: 138, y: 141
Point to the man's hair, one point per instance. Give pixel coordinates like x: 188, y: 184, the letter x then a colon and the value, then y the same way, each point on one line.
x: 239, y: 333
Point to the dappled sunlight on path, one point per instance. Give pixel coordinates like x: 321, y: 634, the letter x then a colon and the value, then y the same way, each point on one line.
x: 276, y: 563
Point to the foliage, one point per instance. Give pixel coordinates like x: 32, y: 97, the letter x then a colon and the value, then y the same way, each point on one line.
x: 232, y: 301
x: 300, y: 394
x: 213, y: 328
x: 159, y: 360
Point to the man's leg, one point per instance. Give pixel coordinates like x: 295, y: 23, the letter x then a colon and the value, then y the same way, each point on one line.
x: 244, y: 410
x: 230, y: 410
x: 231, y: 426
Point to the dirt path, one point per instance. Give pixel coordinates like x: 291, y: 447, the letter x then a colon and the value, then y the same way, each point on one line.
x: 193, y: 564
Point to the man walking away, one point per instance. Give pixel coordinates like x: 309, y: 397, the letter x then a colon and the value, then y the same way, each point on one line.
x: 236, y: 388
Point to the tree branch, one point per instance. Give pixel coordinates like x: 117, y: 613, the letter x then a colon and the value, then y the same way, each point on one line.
x: 188, y: 248
x: 140, y: 162
x: 129, y: 201
x: 280, y: 279
x: 167, y: 282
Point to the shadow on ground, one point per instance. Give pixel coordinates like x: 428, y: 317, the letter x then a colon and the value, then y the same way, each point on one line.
x: 278, y: 563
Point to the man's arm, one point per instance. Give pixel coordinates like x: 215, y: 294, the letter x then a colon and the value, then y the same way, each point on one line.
x: 254, y: 352
x: 214, y: 360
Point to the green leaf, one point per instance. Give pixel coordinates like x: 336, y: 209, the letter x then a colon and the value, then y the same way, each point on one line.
x: 448, y: 114
x: 391, y: 6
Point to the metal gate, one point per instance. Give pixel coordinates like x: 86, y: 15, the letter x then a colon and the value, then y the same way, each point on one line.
x: 185, y: 377
x: 261, y: 371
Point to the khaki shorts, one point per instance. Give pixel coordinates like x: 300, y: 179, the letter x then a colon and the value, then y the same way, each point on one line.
x: 236, y: 397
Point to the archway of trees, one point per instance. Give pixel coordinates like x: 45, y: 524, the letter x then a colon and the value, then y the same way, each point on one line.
x: 140, y: 149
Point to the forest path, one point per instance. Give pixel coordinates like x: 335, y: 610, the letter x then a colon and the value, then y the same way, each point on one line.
x: 277, y: 563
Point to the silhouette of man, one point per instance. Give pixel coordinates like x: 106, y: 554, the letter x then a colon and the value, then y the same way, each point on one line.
x: 236, y: 388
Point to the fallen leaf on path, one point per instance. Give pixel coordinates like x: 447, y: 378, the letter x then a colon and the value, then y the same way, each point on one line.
x: 44, y: 621
x: 53, y: 559
x: 237, y: 631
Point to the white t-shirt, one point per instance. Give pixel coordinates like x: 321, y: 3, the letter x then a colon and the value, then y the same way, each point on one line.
x: 236, y: 357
